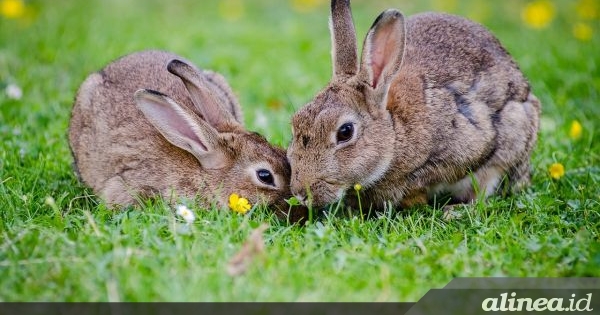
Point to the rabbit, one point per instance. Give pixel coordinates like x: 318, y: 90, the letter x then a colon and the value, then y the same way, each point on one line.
x: 436, y: 107
x: 130, y: 142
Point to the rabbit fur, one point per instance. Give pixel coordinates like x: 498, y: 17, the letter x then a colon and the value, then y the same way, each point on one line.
x: 130, y: 142
x: 435, y: 105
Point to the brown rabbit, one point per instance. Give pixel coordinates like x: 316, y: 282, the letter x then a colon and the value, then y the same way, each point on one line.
x: 436, y: 105
x: 194, y: 143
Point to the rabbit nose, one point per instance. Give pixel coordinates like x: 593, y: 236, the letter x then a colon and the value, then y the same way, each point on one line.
x: 301, y: 196
x: 298, y: 188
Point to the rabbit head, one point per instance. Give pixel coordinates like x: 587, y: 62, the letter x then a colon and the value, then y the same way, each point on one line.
x: 345, y: 135
x: 243, y: 162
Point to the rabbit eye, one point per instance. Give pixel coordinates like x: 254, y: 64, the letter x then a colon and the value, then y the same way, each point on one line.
x: 265, y: 177
x: 345, y: 132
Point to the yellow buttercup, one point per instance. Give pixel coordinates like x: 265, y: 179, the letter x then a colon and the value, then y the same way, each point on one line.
x: 239, y: 204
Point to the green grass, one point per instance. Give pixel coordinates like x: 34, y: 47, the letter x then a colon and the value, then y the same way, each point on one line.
x: 276, y: 58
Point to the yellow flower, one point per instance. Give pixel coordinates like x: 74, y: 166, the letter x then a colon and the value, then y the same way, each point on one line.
x: 575, y: 131
x: 231, y: 10
x: 587, y: 9
x: 306, y: 5
x: 557, y: 170
x: 239, y: 204
x: 12, y: 9
x: 582, y: 31
x: 445, y: 5
x: 538, y: 14
x: 357, y: 187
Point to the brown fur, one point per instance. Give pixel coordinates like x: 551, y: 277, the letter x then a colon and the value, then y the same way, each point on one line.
x: 436, y: 98
x: 122, y: 156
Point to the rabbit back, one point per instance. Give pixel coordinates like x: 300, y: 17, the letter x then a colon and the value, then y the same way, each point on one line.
x: 113, y: 144
x: 466, y: 107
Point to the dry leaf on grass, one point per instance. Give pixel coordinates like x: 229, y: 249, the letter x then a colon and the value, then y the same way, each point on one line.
x: 253, y: 246
x: 451, y: 212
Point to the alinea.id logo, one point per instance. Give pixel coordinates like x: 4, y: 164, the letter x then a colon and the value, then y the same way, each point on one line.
x: 514, y: 304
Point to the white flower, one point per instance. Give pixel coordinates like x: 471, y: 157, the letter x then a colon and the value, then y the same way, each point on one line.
x: 260, y: 119
x: 14, y: 92
x: 49, y: 201
x: 186, y: 214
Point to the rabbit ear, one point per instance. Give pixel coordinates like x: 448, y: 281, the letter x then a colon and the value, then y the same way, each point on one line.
x: 383, y: 50
x: 181, y: 128
x: 343, y: 38
x: 204, y: 100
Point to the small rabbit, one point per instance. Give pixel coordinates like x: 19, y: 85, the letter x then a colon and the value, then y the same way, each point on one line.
x: 436, y: 105
x: 130, y: 141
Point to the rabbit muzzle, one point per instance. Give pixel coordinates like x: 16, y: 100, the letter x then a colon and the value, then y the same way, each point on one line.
x: 317, y: 193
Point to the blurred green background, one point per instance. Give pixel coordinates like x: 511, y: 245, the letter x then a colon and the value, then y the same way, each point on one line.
x: 275, y: 53
x: 276, y: 56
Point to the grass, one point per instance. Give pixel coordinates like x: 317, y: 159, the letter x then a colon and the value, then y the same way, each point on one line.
x: 58, y: 243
